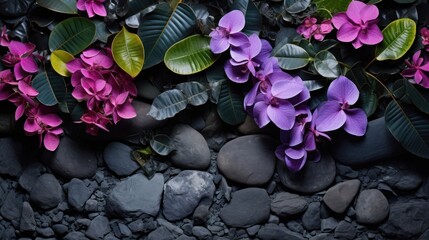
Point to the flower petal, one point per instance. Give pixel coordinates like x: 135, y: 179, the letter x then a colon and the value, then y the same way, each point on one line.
x: 371, y: 36
x: 238, y: 74
x: 126, y: 111
x: 21, y: 49
x: 354, y: 11
x: 348, y: 32
x: 260, y: 114
x: 51, y: 120
x: 295, y: 153
x: 219, y: 45
x: 99, y: 9
x: 51, y: 141
x: 368, y: 13
x: 31, y: 126
x: 250, y: 97
x: 295, y: 165
x: 339, y: 19
x: 233, y: 21
x: 239, y: 39
x: 286, y: 89
x: 356, y: 122
x: 283, y: 116
x: 343, y: 90
x: 29, y: 65
x: 330, y: 117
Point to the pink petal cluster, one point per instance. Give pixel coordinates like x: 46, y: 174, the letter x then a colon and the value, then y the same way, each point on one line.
x: 106, y: 90
x: 424, y: 33
x: 21, y: 58
x: 358, y: 25
x: 309, y: 28
x: 418, y: 69
x: 92, y: 7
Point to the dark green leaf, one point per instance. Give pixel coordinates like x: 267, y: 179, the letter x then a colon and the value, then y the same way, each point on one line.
x: 163, y: 27
x: 216, y: 76
x: 291, y: 56
x: 252, y: 15
x: 287, y: 35
x: 62, y: 6
x: 418, y: 96
x: 51, y: 87
x: 332, y: 6
x: 368, y: 101
x: 230, y: 105
x: 162, y: 144
x: 68, y: 104
x: 326, y: 64
x: 296, y: 6
x: 168, y: 104
x: 136, y: 6
x: 409, y: 126
x: 102, y: 34
x: 195, y: 92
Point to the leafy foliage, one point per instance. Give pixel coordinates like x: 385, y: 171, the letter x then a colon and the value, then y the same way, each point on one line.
x: 252, y: 15
x: 62, y: 6
x: 162, y: 144
x: 230, y: 105
x: 128, y: 52
x: 291, y: 56
x: 51, y: 87
x: 59, y: 59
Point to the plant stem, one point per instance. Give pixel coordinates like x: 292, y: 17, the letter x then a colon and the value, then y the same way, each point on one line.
x: 382, y: 84
x: 366, y: 67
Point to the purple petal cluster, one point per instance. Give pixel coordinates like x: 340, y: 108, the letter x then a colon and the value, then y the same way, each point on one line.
x: 107, y: 90
x: 418, y: 69
x: 92, y: 7
x: 309, y: 28
x: 358, y: 25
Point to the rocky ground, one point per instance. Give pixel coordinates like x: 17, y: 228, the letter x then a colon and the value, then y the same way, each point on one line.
x: 219, y: 183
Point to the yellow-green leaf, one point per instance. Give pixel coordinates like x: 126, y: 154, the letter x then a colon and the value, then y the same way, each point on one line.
x: 59, y: 59
x: 128, y: 52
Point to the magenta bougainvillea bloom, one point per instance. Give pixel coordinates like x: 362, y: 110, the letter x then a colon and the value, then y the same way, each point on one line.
x: 424, y: 32
x: 4, y: 38
x: 119, y: 107
x: 92, y: 90
x: 7, y: 82
x: 94, y: 122
x: 336, y: 113
x: 358, y: 25
x: 228, y: 32
x: 21, y: 58
x: 307, y: 28
x: 92, y: 7
x: 418, y: 69
x: 322, y: 30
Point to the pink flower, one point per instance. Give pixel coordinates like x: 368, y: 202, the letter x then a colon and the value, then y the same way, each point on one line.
x: 322, y: 30
x: 21, y: 59
x: 4, y: 38
x: 94, y: 121
x: 92, y: 90
x: 425, y: 35
x: 358, y: 25
x: 307, y: 28
x: 119, y: 107
x: 23, y: 97
x: 7, y: 81
x: 418, y: 70
x: 92, y: 7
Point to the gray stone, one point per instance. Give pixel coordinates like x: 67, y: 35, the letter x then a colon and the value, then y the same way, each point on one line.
x: 75, y: 236
x: 312, y: 178
x: 253, y: 230
x: 60, y: 229
x: 328, y: 224
x: 295, y: 226
x: 184, y: 237
x: 146, y: 89
x: 402, y: 177
x: 121, y: 230
x: 248, y: 207
x: 345, y: 230
x: 202, y: 212
x: 339, y: 197
x: 248, y: 160
x: 12, y: 206
x: 136, y: 195
x: 118, y: 159
x: 323, y: 236
x: 275, y: 232
x: 78, y: 193
x: 30, y: 175
x: 407, y: 220
x: 201, y: 233
x: 161, y: 233
x: 424, y: 236
x: 191, y: 149
x: 98, y: 228
x: 183, y: 193
x: 45, y: 232
x: 286, y: 204
x: 171, y: 227
x: 311, y: 217
x: 10, y: 157
x: 46, y: 192
x: 347, y: 171
x: 72, y: 160
x: 27, y: 223
x: 372, y: 207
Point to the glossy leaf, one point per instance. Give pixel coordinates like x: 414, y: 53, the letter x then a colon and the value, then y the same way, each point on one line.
x: 59, y: 59
x: 216, y: 76
x: 326, y: 64
x: 409, y: 126
x: 62, y: 6
x: 195, y: 92
x: 162, y: 144
x: 168, y: 104
x: 332, y: 6
x: 72, y: 35
x: 252, y: 16
x: 136, y: 6
x: 418, y: 96
x: 102, y: 34
x: 398, y: 37
x: 128, y: 52
x: 296, y: 6
x: 190, y: 55
x: 291, y: 56
x: 69, y: 104
x: 368, y: 99
x: 163, y: 27
x: 51, y: 87
x: 230, y: 105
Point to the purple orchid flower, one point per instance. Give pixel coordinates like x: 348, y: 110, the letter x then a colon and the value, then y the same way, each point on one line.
x: 322, y: 30
x: 119, y: 107
x: 358, y: 25
x: 424, y: 32
x: 21, y: 59
x: 228, y: 32
x: 307, y: 28
x: 23, y: 97
x: 418, y: 70
x: 92, y: 7
x: 336, y: 113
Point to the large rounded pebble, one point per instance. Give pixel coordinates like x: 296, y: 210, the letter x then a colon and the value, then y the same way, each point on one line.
x: 339, y: 197
x: 10, y: 157
x: 46, y: 192
x: 276, y: 232
x: 248, y: 160
x: 98, y: 228
x: 345, y: 230
x: 74, y: 236
x: 11, y: 208
x: 161, y: 233
x: 118, y: 159
x: 184, y: 192
x: 78, y: 193
x: 286, y: 204
x: 30, y: 175
x: 191, y: 149
x: 136, y: 195
x: 248, y: 207
x: 27, y: 223
x: 372, y: 207
x: 314, y: 177
x: 72, y: 160
x: 311, y: 217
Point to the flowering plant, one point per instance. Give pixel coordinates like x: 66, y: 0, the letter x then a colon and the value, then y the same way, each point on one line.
x: 306, y: 67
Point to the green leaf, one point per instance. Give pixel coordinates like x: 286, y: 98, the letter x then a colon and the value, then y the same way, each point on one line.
x: 128, y: 52
x: 291, y: 56
x: 418, y: 96
x: 368, y: 99
x: 398, y: 37
x: 62, y: 6
x: 252, y: 16
x: 163, y: 27
x: 190, y: 55
x: 230, y: 105
x: 136, y: 6
x: 195, y: 92
x: 168, y: 104
x: 162, y: 144
x: 332, y: 6
x: 296, y: 6
x: 409, y: 126
x: 102, y: 33
x: 59, y: 59
x: 72, y: 35
x: 216, y: 76
x: 68, y: 104
x: 326, y: 64
x: 51, y: 87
